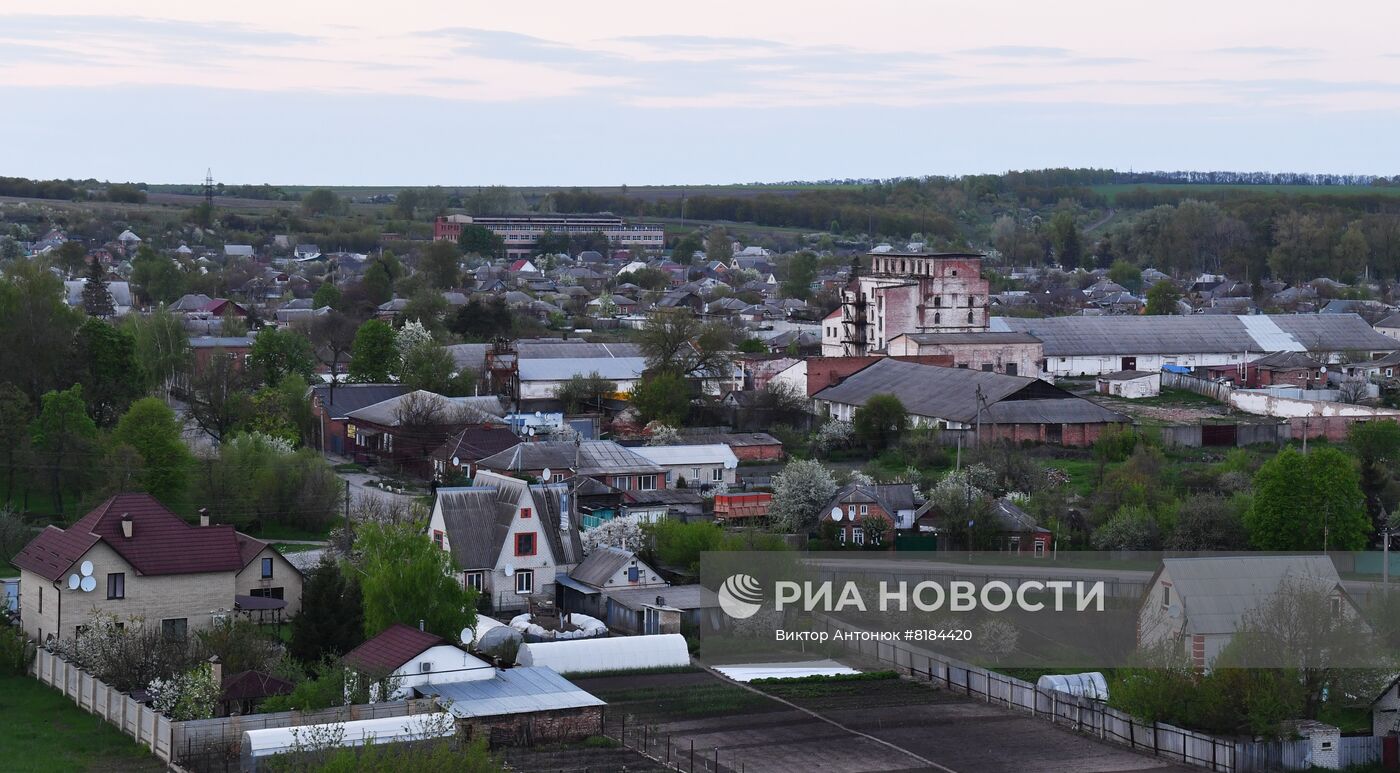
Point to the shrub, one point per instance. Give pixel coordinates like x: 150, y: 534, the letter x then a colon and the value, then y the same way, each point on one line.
x: 16, y: 651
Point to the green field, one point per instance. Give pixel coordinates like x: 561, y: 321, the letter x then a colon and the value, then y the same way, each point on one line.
x: 44, y: 732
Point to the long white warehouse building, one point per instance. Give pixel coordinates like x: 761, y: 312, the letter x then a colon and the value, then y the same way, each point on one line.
x: 1092, y: 346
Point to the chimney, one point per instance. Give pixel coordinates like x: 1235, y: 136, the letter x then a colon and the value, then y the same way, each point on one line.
x: 126, y: 525
x: 203, y: 516
x: 420, y: 625
x: 216, y: 667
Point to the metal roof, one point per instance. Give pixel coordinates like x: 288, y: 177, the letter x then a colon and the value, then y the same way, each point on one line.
x: 555, y: 349
x: 455, y: 410
x: 1217, y: 592
x: 951, y: 394
x: 1088, y: 336
x: 476, y: 524
x: 674, y: 596
x: 565, y: 368
x: 595, y: 457
x: 601, y: 565
x: 519, y: 690
x: 989, y: 337
x: 678, y: 455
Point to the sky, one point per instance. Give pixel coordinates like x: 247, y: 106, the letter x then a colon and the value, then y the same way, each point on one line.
x: 611, y: 92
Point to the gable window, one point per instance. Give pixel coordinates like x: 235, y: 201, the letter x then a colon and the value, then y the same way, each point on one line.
x: 646, y: 482
x: 267, y: 568
x: 525, y: 543
x: 174, y: 627
x: 524, y: 512
x: 1166, y: 596
x: 1336, y: 603
x: 524, y: 581
x: 116, y: 585
x: 865, y: 509
x: 437, y: 537
x: 473, y: 580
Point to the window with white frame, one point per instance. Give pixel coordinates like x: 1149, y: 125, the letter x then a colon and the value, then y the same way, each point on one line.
x: 858, y: 535
x: 474, y: 580
x: 524, y: 581
x: 717, y: 475
x: 865, y: 509
x: 646, y: 482
x: 851, y: 511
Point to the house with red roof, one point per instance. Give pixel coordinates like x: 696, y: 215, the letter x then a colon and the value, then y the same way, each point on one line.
x: 133, y: 558
x: 402, y: 657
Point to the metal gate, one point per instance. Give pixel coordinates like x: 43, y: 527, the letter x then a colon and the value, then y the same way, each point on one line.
x: 1218, y: 434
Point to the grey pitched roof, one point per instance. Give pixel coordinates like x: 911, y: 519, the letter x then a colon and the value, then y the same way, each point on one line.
x: 562, y: 369
x: 551, y: 499
x: 1217, y: 592
x: 601, y: 565
x: 1287, y: 361
x: 552, y: 349
x: 476, y: 523
x: 951, y: 394
x: 1075, y: 336
x: 352, y: 397
x: 455, y: 410
x: 595, y: 457
x: 893, y: 497
x: 1393, y: 321
x: 471, y: 356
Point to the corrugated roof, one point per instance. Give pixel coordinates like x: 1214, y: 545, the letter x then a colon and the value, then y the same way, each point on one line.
x: 565, y: 368
x: 990, y: 337
x: 518, y: 690
x: 352, y: 397
x: 676, y: 596
x: 680, y: 455
x: 595, y: 457
x: 1217, y: 592
x: 455, y: 410
x: 601, y: 565
x: 1088, y: 336
x: 951, y: 394
x: 391, y: 648
x: 549, y: 349
x: 476, y: 525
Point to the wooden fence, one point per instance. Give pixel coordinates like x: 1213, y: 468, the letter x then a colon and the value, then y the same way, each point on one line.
x: 1095, y: 718
x: 198, y: 745
x: 148, y: 726
x: 1201, y: 386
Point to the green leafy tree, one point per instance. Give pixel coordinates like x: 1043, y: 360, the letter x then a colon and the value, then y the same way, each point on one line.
x: 110, y: 374
x: 406, y: 203
x: 333, y: 337
x: 684, y: 251
x: 430, y: 367
x: 151, y: 428
x: 1162, y: 298
x: 441, y: 262
x: 326, y: 295
x: 64, y: 438
x: 233, y: 325
x: 374, y: 358
x: 480, y: 241
x: 321, y: 201
x: 880, y: 422
x: 1126, y: 274
x: 663, y: 397
x: 259, y: 481
x: 381, y: 273
x: 278, y: 353
x: 676, y: 341
x: 70, y: 256
x: 332, y: 620
x: 36, y: 329
x: 719, y: 246
x: 1065, y: 236
x: 157, y: 277
x: 15, y: 415
x: 218, y: 396
x: 552, y: 243
x: 1308, y: 502
x: 162, y: 347
x: 1377, y: 447
x: 405, y: 578
x: 801, y: 273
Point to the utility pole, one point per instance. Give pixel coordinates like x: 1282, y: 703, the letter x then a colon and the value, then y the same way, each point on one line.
x: 1386, y: 531
x: 348, y: 538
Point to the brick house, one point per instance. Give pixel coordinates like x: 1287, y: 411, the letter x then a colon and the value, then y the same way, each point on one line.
x: 133, y: 558
x: 1015, y: 354
x: 332, y: 409
x: 508, y: 538
x: 404, y: 431
x: 203, y: 350
x: 893, y: 503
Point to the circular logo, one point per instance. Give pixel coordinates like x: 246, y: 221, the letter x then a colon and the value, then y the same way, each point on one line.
x: 740, y: 596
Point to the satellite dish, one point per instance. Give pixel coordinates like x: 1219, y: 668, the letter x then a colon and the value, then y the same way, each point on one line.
x: 456, y: 462
x: 545, y: 474
x: 73, y: 581
x: 89, y: 584
x: 467, y: 635
x: 510, y: 570
x: 87, y: 568
x: 837, y: 514
x: 530, y: 431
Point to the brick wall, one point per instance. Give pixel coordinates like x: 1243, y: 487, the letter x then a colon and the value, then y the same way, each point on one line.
x: 561, y: 726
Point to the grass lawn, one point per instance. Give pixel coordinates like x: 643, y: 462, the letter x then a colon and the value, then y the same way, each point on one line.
x: 8, y: 571
x: 274, y: 531
x: 284, y: 548
x: 44, y: 731
x: 1083, y: 473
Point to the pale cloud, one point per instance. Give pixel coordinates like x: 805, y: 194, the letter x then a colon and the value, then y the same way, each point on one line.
x: 772, y: 70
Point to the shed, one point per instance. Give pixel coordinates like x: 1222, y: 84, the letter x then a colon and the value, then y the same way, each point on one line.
x: 1131, y: 384
x: 627, y: 653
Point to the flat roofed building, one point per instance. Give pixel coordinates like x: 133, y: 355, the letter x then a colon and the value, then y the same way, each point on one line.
x: 522, y: 234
